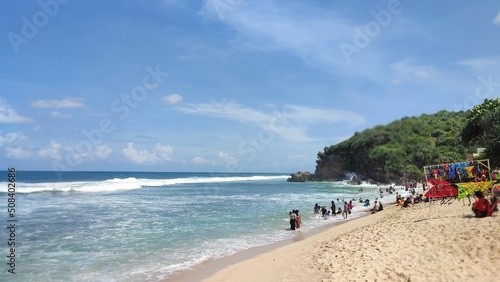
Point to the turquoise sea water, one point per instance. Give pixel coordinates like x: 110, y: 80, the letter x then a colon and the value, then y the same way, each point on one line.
x: 137, y: 226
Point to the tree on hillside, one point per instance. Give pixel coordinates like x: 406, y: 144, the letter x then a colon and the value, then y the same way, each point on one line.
x: 483, y: 125
x: 402, y: 147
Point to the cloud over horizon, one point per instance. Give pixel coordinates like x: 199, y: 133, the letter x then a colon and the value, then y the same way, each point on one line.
x: 57, y: 104
x: 290, y: 122
x: 9, y: 115
x: 158, y: 154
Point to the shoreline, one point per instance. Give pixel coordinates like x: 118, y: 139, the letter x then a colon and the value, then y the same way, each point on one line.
x: 207, y: 269
x: 423, y: 242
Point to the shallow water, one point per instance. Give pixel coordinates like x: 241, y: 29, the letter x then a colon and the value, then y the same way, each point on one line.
x: 125, y: 226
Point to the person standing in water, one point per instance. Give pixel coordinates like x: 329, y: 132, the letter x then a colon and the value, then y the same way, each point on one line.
x: 333, y: 208
x: 317, y: 208
x: 293, y: 220
x: 349, y: 207
x: 299, y: 221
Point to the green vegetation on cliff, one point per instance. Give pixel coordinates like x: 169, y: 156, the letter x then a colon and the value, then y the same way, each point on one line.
x: 483, y: 127
x: 403, y: 147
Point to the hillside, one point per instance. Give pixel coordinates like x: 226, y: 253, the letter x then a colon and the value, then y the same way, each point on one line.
x: 399, y: 149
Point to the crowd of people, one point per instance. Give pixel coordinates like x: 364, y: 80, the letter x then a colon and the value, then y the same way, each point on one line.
x: 483, y: 206
x: 344, y: 208
x: 411, y: 199
x: 339, y: 207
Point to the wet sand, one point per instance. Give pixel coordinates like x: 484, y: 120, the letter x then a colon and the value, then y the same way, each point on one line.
x: 209, y: 268
x: 438, y: 242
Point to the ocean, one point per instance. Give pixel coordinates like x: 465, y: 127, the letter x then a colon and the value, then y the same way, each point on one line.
x: 144, y: 226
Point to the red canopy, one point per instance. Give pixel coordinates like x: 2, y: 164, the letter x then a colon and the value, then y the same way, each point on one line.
x: 440, y: 188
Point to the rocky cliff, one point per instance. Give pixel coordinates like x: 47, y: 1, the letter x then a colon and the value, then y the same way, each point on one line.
x: 388, y: 153
x: 337, y: 167
x: 330, y: 169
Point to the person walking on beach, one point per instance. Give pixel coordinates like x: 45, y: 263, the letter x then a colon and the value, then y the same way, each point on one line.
x: 344, y: 212
x: 333, y: 208
x: 293, y: 220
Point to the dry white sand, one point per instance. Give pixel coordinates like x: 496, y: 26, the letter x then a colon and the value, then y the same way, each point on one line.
x: 419, y: 243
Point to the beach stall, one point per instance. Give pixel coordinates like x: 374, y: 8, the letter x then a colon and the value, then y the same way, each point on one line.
x: 460, y: 179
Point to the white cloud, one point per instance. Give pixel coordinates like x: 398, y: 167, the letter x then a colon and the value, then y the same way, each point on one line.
x: 311, y: 34
x: 226, y: 109
x: 283, y: 27
x: 200, y: 160
x: 18, y: 153
x: 163, y: 152
x: 422, y: 73
x: 227, y: 158
x: 303, y: 114
x: 172, y: 98
x: 159, y: 154
x: 11, y: 138
x: 100, y: 152
x: 406, y: 70
x: 185, y: 57
x: 76, y: 153
x: 57, y: 114
x: 289, y: 122
x: 496, y: 20
x: 65, y: 103
x: 53, y: 151
x: 9, y: 115
x: 482, y: 64
x: 396, y: 81
x: 298, y: 158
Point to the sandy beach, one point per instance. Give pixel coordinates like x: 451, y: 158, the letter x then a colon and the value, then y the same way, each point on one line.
x: 438, y: 242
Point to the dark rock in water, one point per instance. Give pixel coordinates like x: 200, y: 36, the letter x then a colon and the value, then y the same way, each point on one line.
x: 300, y: 177
x: 354, y: 181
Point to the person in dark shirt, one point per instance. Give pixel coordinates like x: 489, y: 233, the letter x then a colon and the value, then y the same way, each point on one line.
x: 333, y: 208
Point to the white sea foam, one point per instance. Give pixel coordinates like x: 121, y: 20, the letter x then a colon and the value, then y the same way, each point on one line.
x: 129, y: 183
x: 150, y: 233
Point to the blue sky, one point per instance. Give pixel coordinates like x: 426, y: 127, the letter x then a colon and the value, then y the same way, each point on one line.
x: 229, y: 85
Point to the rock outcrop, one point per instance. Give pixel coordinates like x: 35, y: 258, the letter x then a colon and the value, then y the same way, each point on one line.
x: 301, y: 177
x: 354, y: 181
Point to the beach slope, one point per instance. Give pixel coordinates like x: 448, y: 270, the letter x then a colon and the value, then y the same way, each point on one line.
x: 438, y: 242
